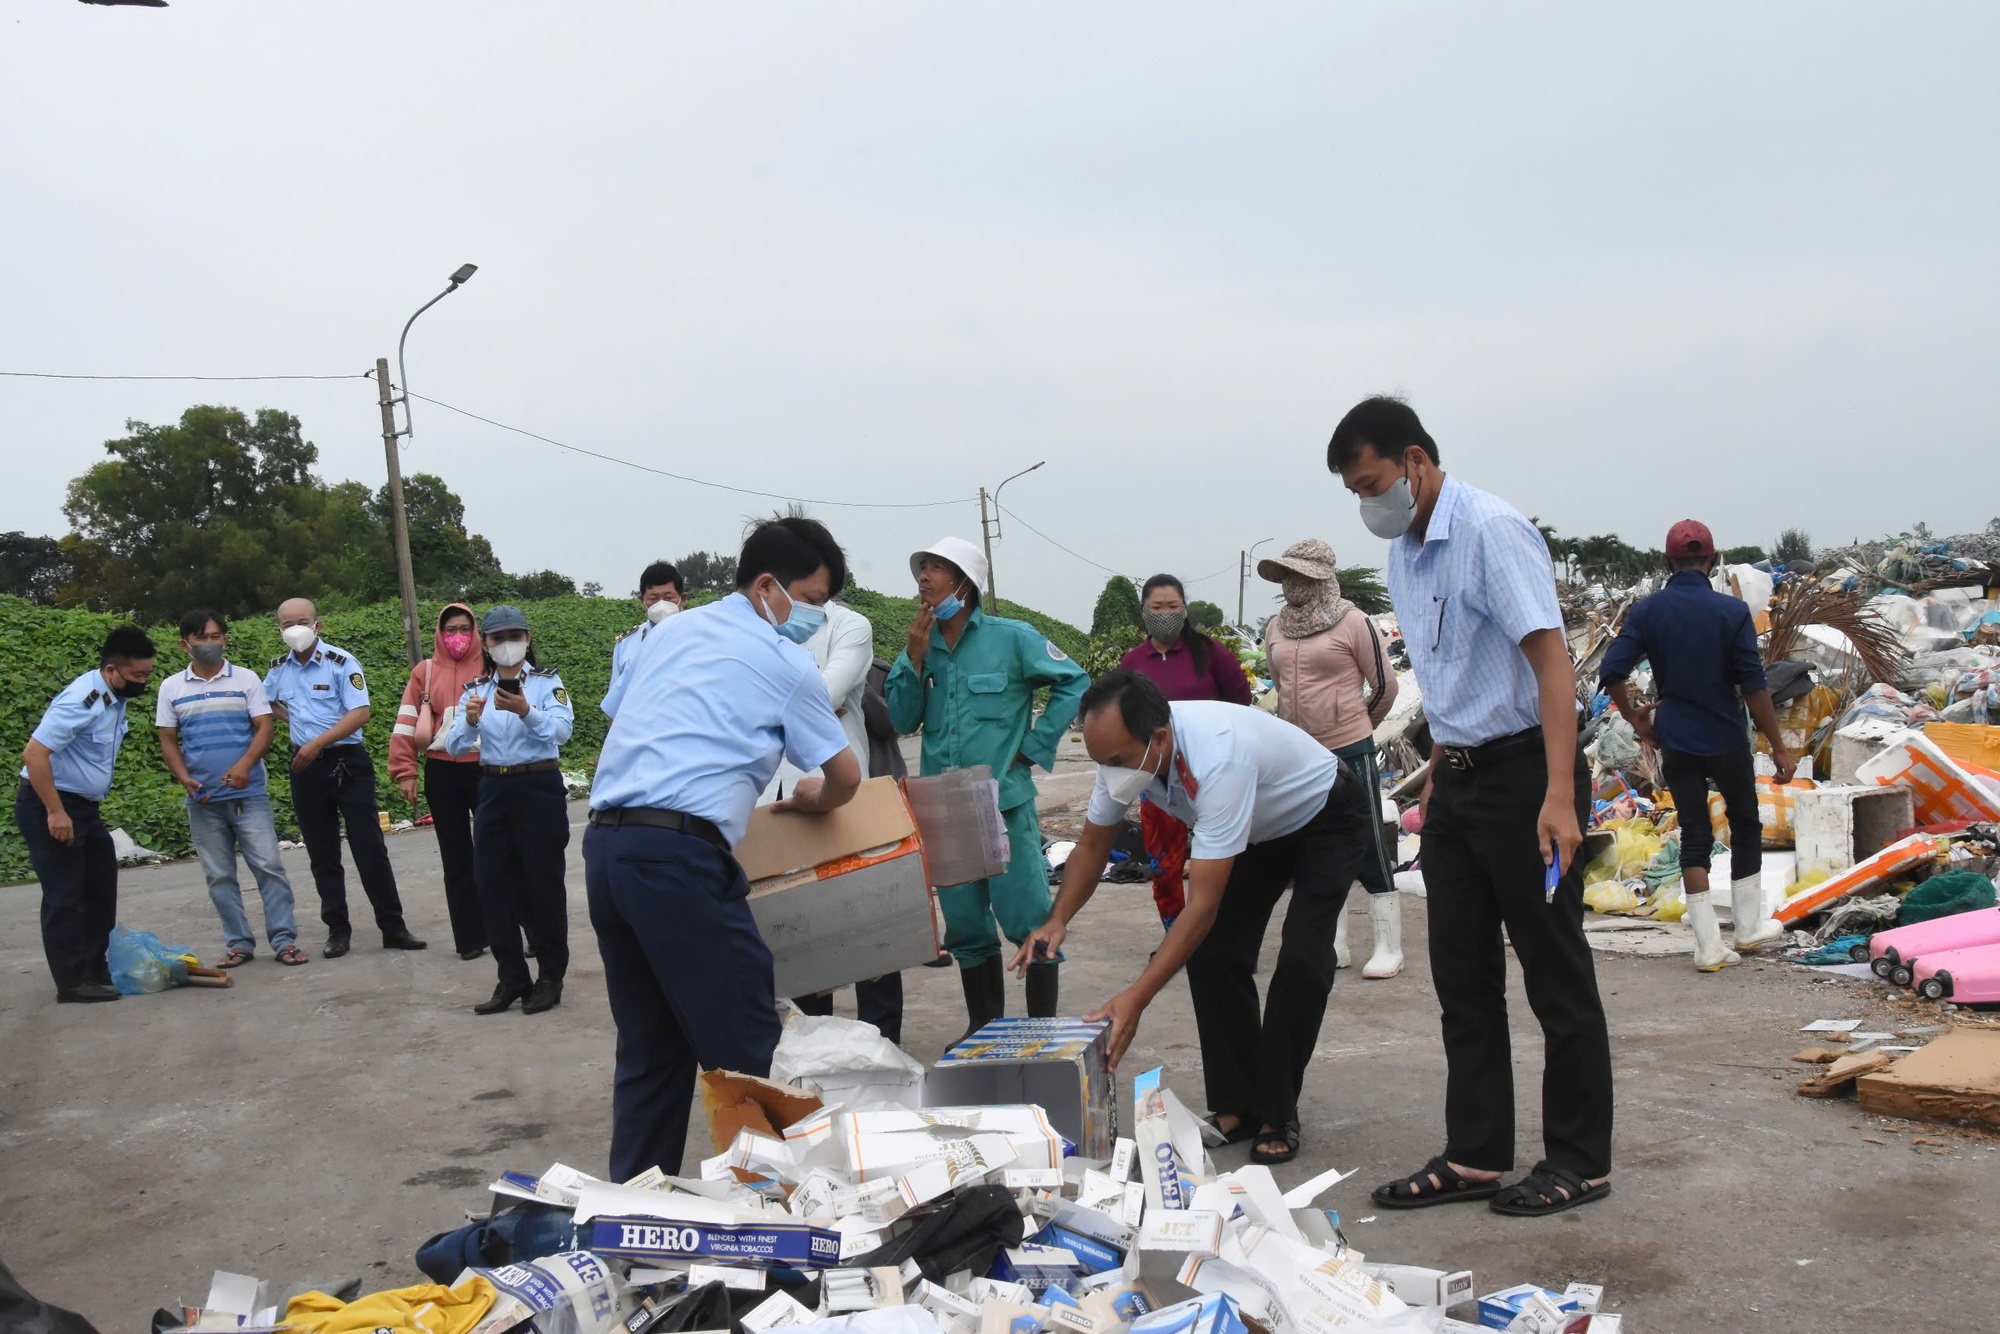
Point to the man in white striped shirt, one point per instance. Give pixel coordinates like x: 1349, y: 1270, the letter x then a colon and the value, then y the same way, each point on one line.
x: 1474, y: 590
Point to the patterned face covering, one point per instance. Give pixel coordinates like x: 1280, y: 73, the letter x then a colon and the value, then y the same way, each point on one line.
x: 1311, y: 605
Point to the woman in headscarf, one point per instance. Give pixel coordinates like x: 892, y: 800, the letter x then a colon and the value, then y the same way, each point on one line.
x: 451, y: 782
x: 1331, y: 669
x: 1185, y: 664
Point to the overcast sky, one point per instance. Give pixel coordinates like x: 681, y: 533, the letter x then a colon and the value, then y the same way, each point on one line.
x: 1631, y: 263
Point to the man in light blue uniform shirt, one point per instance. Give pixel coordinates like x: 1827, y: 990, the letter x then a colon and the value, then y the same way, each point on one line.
x: 215, y: 727
x: 660, y: 596
x: 687, y: 974
x: 1474, y: 589
x: 517, y: 717
x: 321, y: 694
x: 65, y: 775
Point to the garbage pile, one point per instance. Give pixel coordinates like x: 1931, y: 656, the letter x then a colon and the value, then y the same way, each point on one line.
x: 991, y: 1194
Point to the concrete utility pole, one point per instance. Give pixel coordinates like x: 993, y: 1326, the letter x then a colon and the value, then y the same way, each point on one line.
x: 399, y: 524
x: 990, y: 530
x: 1243, y: 575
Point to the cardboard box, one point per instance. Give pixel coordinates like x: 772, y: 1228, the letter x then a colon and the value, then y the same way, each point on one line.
x: 653, y: 1225
x: 1214, y: 1314
x: 1418, y: 1286
x: 1055, y: 1064
x: 840, y: 897
x: 1497, y: 1310
x: 892, y: 1142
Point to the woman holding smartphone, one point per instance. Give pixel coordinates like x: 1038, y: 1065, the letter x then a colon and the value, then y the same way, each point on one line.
x: 517, y: 716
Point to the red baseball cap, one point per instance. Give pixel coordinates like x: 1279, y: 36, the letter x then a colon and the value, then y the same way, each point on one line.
x: 1690, y: 537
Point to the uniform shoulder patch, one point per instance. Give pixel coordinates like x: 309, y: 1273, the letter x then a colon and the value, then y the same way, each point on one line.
x: 561, y: 696
x: 478, y: 681
x: 1055, y: 652
x: 638, y: 629
x: 334, y: 655
x: 541, y: 671
x: 354, y: 679
x: 279, y: 661
x: 91, y: 698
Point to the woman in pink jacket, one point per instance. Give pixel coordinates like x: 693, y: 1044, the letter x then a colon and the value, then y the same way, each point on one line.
x: 451, y: 782
x: 1333, y: 679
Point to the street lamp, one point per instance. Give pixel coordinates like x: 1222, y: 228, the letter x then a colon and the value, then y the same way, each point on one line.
x: 1243, y: 576
x: 399, y: 524
x: 990, y: 529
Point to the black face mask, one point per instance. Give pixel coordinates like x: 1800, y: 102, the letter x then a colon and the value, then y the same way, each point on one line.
x: 130, y: 689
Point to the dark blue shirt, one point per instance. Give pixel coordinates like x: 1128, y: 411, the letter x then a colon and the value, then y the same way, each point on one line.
x: 1703, y: 647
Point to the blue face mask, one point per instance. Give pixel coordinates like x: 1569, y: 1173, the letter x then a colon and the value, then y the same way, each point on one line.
x: 802, y: 624
x: 951, y: 606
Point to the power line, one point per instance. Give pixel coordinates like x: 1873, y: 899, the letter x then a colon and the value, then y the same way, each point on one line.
x: 1057, y: 545
x: 683, y: 477
x: 1230, y: 568
x: 50, y: 375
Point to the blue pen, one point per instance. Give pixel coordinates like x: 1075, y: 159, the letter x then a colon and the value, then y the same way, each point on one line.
x: 1553, y: 876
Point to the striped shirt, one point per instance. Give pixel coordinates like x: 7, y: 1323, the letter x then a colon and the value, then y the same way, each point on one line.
x: 213, y: 719
x: 1478, y: 582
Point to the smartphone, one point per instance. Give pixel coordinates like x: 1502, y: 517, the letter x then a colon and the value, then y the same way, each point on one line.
x: 511, y: 687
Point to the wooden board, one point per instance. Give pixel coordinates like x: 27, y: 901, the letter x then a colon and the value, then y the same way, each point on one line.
x: 1956, y: 1078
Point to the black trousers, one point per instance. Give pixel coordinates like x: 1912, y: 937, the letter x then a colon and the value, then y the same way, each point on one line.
x: 688, y: 977
x: 1482, y: 872
x: 79, y: 887
x: 877, y: 1001
x: 451, y: 790
x: 1735, y: 777
x: 519, y: 835
x: 335, y: 789
x: 1256, y: 1068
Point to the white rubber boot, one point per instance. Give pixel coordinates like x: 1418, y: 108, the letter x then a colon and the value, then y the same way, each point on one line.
x: 1340, y: 957
x: 1752, y: 929
x: 1386, y: 911
x: 1710, y: 955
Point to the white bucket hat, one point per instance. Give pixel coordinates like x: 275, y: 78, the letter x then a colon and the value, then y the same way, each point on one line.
x: 965, y: 555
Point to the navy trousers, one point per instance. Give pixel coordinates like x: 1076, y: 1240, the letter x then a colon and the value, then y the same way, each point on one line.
x: 79, y: 887
x: 687, y: 975
x: 520, y: 832
x: 334, y: 790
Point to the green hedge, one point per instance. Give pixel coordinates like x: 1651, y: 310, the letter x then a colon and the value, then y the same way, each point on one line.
x: 44, y: 649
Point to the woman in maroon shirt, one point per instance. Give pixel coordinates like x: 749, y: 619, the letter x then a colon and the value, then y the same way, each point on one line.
x: 1185, y: 664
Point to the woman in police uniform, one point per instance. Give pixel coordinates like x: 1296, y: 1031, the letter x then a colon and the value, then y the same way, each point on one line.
x: 517, y: 716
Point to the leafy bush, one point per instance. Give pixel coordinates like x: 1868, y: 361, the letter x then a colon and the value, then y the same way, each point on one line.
x: 1117, y: 608
x: 45, y: 648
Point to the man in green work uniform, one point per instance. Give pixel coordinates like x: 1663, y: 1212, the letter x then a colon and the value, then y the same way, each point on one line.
x: 970, y: 680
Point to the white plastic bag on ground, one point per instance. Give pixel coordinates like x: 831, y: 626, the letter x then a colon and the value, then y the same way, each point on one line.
x: 848, y: 1062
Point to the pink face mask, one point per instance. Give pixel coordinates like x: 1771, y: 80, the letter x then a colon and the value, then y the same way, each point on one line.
x: 457, y: 645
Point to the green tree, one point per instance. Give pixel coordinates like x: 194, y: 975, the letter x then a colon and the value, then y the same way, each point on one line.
x: 448, y: 561
x: 1742, y: 555
x: 1362, y: 585
x: 1117, y: 608
x: 1792, y: 544
x: 34, y: 568
x: 540, y: 584
x: 706, y: 572
x: 221, y: 509
x: 1204, y: 615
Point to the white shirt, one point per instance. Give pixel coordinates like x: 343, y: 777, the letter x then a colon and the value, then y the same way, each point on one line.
x: 1240, y: 776
x: 1479, y: 582
x: 844, y: 648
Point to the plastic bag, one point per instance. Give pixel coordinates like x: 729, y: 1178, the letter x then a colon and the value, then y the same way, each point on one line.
x: 141, y: 963
x: 1634, y: 844
x: 1610, y: 896
x: 1946, y: 894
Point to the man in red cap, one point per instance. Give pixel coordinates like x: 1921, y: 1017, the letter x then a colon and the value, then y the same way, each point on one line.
x: 1703, y: 648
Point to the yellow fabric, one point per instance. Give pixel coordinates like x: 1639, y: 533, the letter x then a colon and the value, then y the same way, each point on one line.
x: 427, y: 1308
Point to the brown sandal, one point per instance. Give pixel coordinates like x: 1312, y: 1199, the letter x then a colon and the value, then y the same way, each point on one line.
x: 236, y: 958
x: 292, y: 956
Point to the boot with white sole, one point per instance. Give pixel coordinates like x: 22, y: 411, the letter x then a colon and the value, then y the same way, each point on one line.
x: 1340, y: 955
x: 1752, y: 929
x: 1710, y: 954
x: 1386, y: 911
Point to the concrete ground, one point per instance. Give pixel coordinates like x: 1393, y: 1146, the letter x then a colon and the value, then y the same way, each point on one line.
x: 315, y: 1123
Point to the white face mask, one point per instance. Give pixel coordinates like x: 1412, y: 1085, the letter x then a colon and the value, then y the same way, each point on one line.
x: 1126, y: 786
x: 299, y: 638
x: 1390, y: 514
x: 509, y: 652
x: 660, y: 610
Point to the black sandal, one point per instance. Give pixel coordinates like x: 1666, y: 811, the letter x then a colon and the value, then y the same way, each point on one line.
x: 1416, y: 1191
x: 1286, y: 1136
x: 1547, y: 1190
x: 1220, y: 1138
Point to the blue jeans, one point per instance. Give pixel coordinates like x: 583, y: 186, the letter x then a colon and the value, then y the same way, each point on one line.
x: 221, y: 829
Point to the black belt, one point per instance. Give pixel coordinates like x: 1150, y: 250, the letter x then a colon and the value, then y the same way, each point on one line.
x: 536, y: 767
x: 656, y: 817
x: 1467, y: 758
